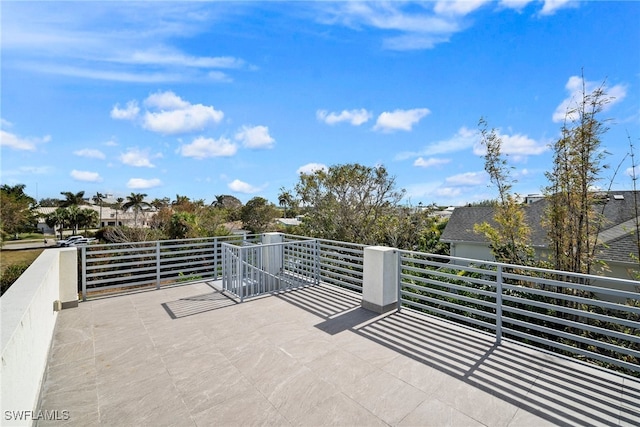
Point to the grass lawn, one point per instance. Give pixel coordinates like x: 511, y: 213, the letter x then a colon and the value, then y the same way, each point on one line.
x: 18, y: 257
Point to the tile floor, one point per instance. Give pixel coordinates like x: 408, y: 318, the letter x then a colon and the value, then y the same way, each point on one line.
x: 189, y: 356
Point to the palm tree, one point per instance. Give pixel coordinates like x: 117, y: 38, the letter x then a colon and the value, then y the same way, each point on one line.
x: 74, y: 217
x: 118, y: 205
x: 285, y: 199
x: 136, y: 202
x: 98, y: 198
x: 87, y: 218
x: 72, y: 199
x: 57, y: 217
x: 160, y: 203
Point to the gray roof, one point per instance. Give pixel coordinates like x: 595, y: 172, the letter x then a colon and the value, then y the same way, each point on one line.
x: 619, y: 213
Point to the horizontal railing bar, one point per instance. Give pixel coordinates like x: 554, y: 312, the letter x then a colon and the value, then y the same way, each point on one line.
x: 570, y: 285
x: 447, y: 275
x: 572, y: 337
x: 570, y: 323
x: 112, y: 266
x: 569, y: 310
x: 570, y: 349
x: 446, y: 285
x: 451, y: 305
x: 465, y: 319
x: 573, y: 298
x: 453, y: 295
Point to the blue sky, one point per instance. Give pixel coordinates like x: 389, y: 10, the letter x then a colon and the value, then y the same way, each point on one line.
x: 209, y: 98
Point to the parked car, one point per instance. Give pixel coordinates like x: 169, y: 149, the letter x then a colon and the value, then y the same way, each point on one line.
x: 68, y: 241
x: 82, y: 242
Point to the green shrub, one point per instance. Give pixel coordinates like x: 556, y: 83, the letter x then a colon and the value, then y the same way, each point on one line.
x: 10, y: 275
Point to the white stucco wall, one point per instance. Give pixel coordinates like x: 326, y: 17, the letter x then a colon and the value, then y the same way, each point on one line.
x: 28, y: 320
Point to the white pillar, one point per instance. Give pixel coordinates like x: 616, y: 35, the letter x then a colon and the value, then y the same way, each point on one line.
x: 380, y: 282
x: 68, y: 277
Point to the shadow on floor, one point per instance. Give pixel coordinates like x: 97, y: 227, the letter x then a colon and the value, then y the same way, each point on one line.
x: 197, y: 304
x: 561, y: 393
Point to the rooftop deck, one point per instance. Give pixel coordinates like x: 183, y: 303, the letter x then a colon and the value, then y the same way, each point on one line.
x: 189, y: 356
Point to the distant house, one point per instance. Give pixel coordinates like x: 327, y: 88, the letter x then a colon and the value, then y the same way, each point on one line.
x: 110, y: 217
x: 290, y: 222
x: 617, y: 244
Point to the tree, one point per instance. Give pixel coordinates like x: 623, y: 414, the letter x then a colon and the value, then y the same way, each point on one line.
x: 98, y: 198
x: 510, y: 237
x: 16, y: 214
x: 59, y: 217
x: 71, y: 199
x: 74, y: 216
x: 49, y: 202
x: 572, y: 223
x: 346, y: 202
x: 258, y: 214
x: 160, y: 203
x: 117, y: 206
x: 135, y: 202
x: 88, y: 218
x: 285, y: 200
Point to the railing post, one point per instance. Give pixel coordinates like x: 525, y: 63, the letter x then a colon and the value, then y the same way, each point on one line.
x: 215, y: 258
x: 317, y: 261
x: 499, y: 304
x: 158, y: 264
x: 399, y: 264
x: 240, y: 274
x: 83, y: 252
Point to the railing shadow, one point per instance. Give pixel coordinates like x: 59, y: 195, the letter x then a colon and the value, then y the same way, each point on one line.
x: 533, y: 381
x: 198, y: 304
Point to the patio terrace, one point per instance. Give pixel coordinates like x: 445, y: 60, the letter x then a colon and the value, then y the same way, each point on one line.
x: 190, y: 356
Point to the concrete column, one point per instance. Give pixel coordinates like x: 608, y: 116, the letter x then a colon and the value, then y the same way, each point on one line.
x: 380, y: 282
x: 68, y: 277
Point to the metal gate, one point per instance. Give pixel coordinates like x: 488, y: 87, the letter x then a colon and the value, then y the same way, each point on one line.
x: 250, y: 270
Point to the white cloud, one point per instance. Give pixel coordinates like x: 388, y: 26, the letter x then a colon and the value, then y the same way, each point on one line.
x: 176, y: 115
x: 400, y: 119
x: 111, y: 143
x: 458, y: 7
x: 516, y: 145
x: 86, y: 176
x: 202, y: 148
x: 310, y: 168
x: 550, y: 6
x: 255, y: 137
x: 432, y: 161
x: 167, y: 56
x: 575, y: 86
x: 90, y: 153
x: 463, y: 139
x: 515, y: 4
x: 165, y: 101
x: 467, y: 178
x: 130, y: 112
x: 138, y: 158
x: 140, y: 183
x: 630, y: 172
x: 355, y: 117
x: 16, y: 142
x: 242, y: 187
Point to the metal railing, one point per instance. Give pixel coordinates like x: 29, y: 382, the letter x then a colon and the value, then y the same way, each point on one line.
x: 340, y: 263
x: 567, y: 313
x: 155, y: 263
x: 254, y: 269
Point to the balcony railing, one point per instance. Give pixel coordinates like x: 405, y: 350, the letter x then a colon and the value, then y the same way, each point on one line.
x: 586, y: 316
x: 589, y: 317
